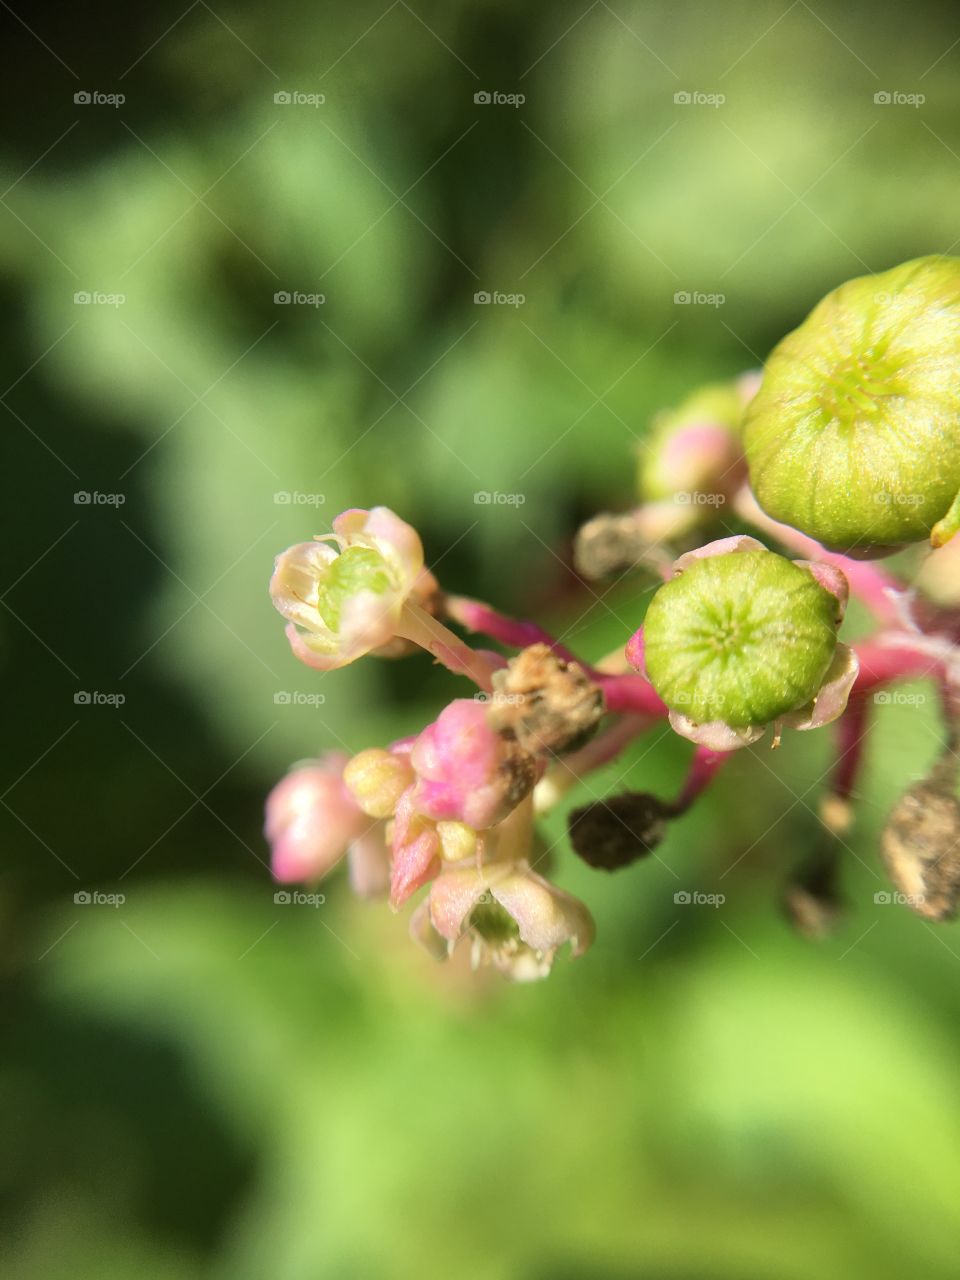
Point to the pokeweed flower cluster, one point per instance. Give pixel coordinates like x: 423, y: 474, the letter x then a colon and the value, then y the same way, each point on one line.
x: 843, y: 450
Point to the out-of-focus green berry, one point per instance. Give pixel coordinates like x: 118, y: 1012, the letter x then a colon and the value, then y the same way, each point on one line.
x: 854, y: 435
x: 741, y: 638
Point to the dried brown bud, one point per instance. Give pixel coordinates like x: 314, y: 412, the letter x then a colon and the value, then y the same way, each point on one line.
x: 519, y: 772
x: 546, y: 704
x: 812, y: 900
x: 607, y: 545
x: 921, y: 845
x: 612, y: 833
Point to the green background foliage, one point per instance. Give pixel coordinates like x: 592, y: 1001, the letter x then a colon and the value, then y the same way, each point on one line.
x: 202, y: 1084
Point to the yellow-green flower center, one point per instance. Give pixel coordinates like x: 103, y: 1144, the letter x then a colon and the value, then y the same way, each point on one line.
x: 355, y: 569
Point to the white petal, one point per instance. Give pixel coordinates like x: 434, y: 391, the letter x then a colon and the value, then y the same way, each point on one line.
x: 714, y: 734
x: 293, y: 587
x: 721, y: 547
x: 831, y: 702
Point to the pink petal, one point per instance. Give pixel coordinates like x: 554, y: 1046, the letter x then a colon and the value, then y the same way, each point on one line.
x: 831, y: 579
x: 545, y: 915
x: 416, y: 851
x: 453, y: 897
x: 368, y: 859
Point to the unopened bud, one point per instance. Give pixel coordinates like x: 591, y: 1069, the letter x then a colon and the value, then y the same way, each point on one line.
x: 378, y: 779
x: 547, y: 705
x: 939, y: 576
x: 695, y: 447
x: 613, y: 833
x: 466, y: 771
x: 457, y: 841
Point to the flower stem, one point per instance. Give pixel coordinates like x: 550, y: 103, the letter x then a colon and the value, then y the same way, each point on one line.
x: 883, y: 661
x: 704, y: 766
x: 515, y: 633
x: 426, y: 631
x: 632, y: 694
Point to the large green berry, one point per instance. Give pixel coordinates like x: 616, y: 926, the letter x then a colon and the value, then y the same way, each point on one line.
x: 854, y: 435
x: 741, y: 638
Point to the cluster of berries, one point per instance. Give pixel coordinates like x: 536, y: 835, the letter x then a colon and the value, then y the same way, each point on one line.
x: 846, y: 449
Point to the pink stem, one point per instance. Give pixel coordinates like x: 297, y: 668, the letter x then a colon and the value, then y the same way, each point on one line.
x: 704, y: 765
x: 606, y: 746
x: 881, y: 663
x: 851, y: 731
x: 512, y: 632
x: 631, y: 694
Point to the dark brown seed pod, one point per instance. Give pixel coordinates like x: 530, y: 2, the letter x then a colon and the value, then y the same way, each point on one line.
x: 613, y: 833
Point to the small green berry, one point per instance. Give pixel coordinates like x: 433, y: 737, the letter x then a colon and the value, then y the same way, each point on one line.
x: 854, y: 435
x: 742, y: 638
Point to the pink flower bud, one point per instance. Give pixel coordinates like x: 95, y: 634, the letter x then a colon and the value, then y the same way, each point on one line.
x: 466, y: 771
x: 698, y: 458
x: 695, y: 449
x: 311, y: 818
x: 341, y: 604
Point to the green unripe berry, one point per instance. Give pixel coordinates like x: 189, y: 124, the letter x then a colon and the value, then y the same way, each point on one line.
x: 854, y: 435
x: 741, y: 638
